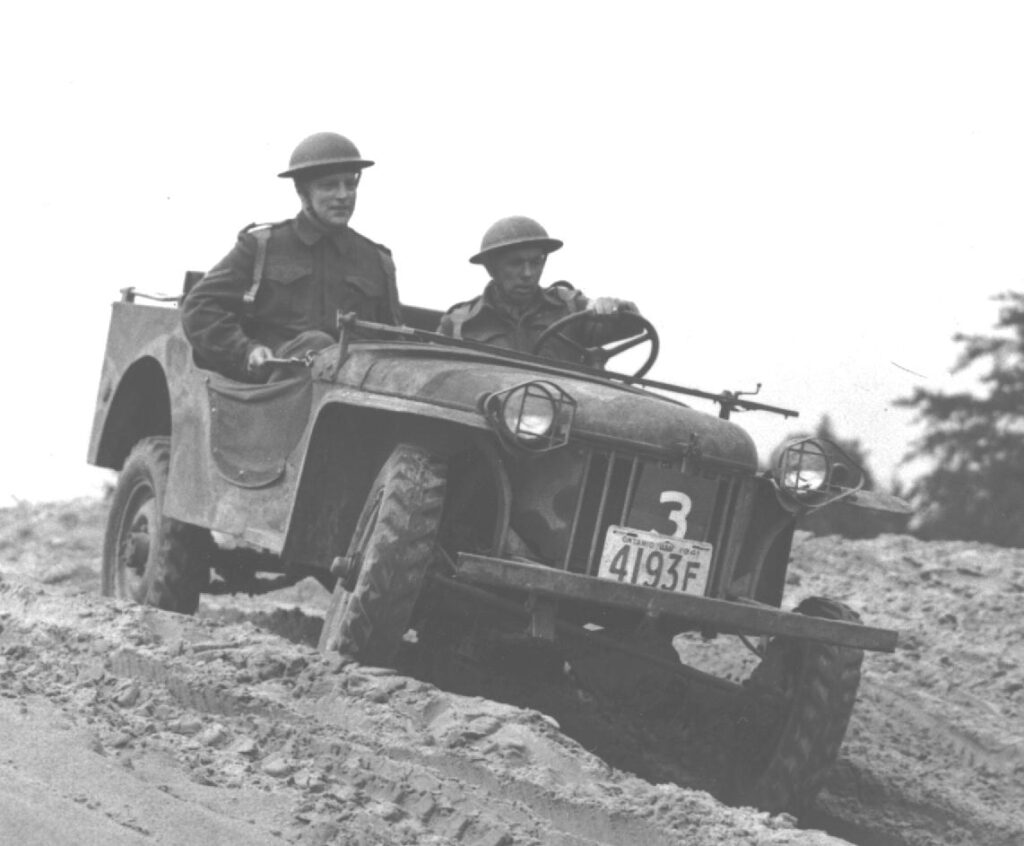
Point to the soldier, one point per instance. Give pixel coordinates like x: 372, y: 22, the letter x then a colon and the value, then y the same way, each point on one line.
x: 514, y: 310
x: 278, y: 292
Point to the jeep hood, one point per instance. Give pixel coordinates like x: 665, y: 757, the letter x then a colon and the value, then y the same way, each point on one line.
x: 454, y: 378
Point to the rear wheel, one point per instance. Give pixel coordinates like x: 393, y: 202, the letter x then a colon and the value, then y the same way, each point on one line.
x: 807, y: 692
x: 147, y: 557
x: 391, y: 548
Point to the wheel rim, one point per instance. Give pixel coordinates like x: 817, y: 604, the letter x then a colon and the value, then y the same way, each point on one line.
x: 136, y: 537
x: 340, y: 598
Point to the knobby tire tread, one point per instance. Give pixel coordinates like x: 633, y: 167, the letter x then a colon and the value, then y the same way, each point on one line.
x: 378, y: 613
x: 178, y: 570
x: 825, y: 690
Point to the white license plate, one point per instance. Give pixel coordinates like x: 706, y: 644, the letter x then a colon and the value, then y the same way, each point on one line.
x: 653, y: 560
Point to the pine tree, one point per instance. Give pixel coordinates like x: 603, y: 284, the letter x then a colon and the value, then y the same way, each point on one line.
x: 974, y: 442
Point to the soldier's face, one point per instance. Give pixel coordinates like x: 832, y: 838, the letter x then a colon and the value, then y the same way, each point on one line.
x: 517, y: 271
x: 333, y: 197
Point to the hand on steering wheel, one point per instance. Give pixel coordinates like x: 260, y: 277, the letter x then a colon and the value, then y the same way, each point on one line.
x: 597, y: 356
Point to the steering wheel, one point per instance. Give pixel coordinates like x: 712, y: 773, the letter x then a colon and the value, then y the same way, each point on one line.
x: 597, y: 356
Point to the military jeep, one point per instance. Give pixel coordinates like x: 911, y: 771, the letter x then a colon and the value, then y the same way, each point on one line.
x: 445, y: 491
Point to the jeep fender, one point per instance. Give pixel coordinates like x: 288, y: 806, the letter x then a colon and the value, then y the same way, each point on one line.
x: 347, y: 445
x: 139, y: 407
x: 143, y: 349
x: 761, y: 568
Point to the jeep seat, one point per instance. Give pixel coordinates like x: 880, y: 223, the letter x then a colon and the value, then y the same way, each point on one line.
x: 426, y: 319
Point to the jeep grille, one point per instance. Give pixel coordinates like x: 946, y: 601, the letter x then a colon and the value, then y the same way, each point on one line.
x: 606, y: 495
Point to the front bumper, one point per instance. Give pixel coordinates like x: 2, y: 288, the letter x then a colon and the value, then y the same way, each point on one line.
x: 716, y: 614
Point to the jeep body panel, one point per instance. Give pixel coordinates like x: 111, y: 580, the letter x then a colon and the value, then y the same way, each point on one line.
x: 374, y: 394
x: 459, y: 379
x: 140, y: 340
x: 396, y: 378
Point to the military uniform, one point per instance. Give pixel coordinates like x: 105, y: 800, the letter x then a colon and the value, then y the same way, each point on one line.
x: 307, y: 276
x: 490, y: 319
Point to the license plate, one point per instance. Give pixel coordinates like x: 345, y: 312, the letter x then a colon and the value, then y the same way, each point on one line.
x: 649, y: 559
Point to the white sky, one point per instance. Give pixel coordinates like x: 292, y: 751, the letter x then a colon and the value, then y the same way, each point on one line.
x: 814, y: 195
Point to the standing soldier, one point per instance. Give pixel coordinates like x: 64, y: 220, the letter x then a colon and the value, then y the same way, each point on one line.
x: 280, y: 289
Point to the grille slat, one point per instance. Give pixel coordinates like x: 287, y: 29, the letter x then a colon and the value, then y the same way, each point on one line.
x: 584, y: 478
x: 627, y: 502
x: 596, y: 536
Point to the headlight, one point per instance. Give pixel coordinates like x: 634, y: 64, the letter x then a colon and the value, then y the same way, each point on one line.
x: 535, y: 415
x: 813, y: 472
x: 804, y: 480
x: 803, y: 467
x: 528, y: 412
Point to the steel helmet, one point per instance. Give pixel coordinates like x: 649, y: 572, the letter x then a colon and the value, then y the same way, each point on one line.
x: 324, y: 150
x: 514, y: 232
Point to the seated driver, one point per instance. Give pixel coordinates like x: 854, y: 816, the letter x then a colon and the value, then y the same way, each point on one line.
x: 514, y: 310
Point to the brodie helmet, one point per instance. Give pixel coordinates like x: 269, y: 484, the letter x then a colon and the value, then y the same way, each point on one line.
x: 323, y: 151
x: 515, y: 231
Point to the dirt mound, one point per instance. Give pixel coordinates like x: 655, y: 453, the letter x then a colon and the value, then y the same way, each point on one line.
x: 935, y: 750
x: 130, y: 725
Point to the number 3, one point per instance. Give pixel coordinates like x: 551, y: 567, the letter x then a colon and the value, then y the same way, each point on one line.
x: 678, y: 515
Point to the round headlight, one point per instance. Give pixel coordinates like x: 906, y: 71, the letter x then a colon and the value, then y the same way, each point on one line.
x: 803, y: 467
x: 529, y: 412
x: 811, y: 472
x: 534, y: 416
x: 804, y: 480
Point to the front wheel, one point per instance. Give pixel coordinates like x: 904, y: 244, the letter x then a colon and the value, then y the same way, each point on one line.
x: 392, y: 545
x: 147, y: 557
x: 807, y: 692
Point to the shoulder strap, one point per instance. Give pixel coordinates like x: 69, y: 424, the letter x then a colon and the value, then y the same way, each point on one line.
x: 453, y: 319
x: 262, y: 236
x: 450, y: 325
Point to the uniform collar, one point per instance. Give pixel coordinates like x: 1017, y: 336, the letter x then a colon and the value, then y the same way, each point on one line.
x: 493, y: 298
x: 310, y: 231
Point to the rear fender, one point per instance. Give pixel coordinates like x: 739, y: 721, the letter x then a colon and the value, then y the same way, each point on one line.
x: 140, y: 407
x: 132, y: 402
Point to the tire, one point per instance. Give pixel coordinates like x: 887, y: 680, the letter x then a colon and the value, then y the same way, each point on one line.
x: 394, y: 540
x: 147, y: 557
x: 783, y: 761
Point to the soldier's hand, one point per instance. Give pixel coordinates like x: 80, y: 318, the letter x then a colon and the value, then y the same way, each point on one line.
x: 604, y: 306
x: 258, y: 358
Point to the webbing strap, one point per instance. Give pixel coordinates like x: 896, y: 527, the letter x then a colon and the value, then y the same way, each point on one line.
x: 262, y: 237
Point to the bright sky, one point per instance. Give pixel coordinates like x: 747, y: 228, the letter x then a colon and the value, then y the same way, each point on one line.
x: 815, y: 196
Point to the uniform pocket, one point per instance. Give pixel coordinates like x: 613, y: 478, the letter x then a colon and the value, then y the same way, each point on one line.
x: 365, y: 285
x: 359, y: 294
x: 287, y: 291
x: 286, y: 271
